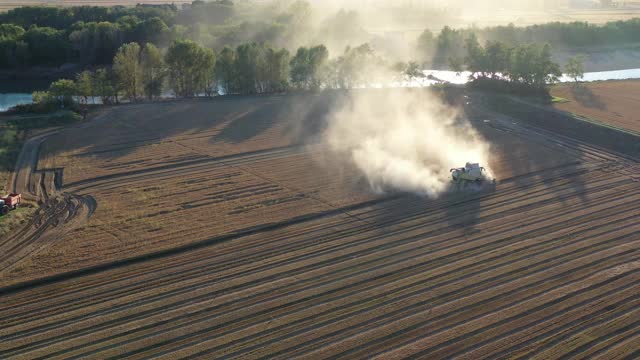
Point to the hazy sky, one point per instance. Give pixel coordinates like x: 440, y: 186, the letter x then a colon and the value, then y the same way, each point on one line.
x: 507, y: 4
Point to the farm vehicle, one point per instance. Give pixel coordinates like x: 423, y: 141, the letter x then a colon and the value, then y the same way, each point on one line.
x: 472, y: 172
x: 9, y: 202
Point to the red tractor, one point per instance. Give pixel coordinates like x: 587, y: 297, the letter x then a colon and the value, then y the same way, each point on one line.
x: 9, y: 202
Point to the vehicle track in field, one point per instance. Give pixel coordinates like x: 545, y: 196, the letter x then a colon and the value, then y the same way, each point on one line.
x: 550, y: 268
x: 506, y: 194
x: 58, y: 213
x: 190, y: 167
x: 138, y: 304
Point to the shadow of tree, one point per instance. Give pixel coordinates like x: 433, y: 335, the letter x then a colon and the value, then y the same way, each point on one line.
x: 586, y: 97
x: 250, y: 124
x: 308, y: 115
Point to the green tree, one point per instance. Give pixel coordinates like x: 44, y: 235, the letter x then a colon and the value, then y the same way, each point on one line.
x: 449, y: 44
x: 476, y: 59
x: 531, y: 65
x: 247, y: 63
x: 413, y: 71
x: 153, y: 71
x: 10, y: 32
x: 306, y: 66
x: 455, y: 64
x: 104, y: 86
x: 300, y: 68
x: 357, y: 66
x: 226, y: 69
x: 575, y: 68
x: 152, y: 30
x: 522, y: 64
x: 128, y: 23
x: 63, y: 90
x: 191, y: 67
x: 275, y: 70
x: 205, y: 70
x: 318, y: 56
x: 546, y: 71
x: 96, y: 43
x: 47, y: 45
x: 210, y: 12
x: 84, y: 86
x: 41, y: 97
x: 128, y: 71
x: 497, y: 58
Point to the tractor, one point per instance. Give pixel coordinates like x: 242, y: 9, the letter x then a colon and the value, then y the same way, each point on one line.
x: 9, y: 202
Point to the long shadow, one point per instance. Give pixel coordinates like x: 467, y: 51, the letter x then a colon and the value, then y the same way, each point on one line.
x: 308, y: 115
x: 234, y: 119
x: 124, y: 129
x: 301, y: 118
x: 250, y: 124
x: 586, y: 97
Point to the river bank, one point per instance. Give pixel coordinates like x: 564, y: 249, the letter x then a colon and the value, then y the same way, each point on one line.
x: 432, y: 77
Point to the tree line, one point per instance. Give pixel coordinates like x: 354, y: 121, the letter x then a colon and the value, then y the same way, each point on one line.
x: 449, y: 42
x: 187, y: 69
x: 138, y: 72
x: 35, y: 36
x: 527, y: 68
x: 91, y: 35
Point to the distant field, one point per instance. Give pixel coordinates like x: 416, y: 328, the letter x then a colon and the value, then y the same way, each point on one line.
x: 614, y: 102
x: 520, y: 18
x: 504, y: 17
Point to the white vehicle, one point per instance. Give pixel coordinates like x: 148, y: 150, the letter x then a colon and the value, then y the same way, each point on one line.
x: 471, y: 172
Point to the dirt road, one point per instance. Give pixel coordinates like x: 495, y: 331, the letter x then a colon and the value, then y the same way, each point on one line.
x: 243, y: 243
x: 58, y: 214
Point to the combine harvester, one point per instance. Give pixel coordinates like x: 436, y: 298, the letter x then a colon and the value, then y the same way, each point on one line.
x: 471, y: 173
x: 9, y: 202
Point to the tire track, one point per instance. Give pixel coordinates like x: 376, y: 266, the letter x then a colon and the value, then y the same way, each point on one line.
x: 344, y: 234
x: 261, y: 270
x: 551, y: 258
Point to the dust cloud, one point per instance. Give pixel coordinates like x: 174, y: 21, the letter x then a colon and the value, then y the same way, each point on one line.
x: 404, y: 140
x: 392, y: 27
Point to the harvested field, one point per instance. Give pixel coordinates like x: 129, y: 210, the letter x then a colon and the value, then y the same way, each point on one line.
x: 612, y: 102
x: 221, y: 229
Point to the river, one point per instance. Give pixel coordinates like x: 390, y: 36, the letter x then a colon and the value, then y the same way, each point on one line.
x: 8, y: 100
x: 12, y: 99
x: 463, y: 77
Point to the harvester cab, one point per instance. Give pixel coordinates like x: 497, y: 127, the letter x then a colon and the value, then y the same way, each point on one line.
x: 470, y: 172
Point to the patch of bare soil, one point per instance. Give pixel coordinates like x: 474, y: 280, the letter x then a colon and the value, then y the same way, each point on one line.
x: 613, y: 102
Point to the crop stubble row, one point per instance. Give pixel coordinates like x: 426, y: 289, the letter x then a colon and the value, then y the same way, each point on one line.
x: 552, y: 255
